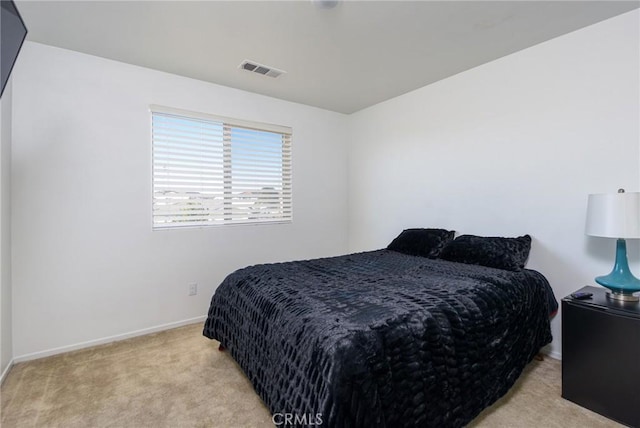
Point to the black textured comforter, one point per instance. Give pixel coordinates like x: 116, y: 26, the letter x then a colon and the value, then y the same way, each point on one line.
x: 381, y: 339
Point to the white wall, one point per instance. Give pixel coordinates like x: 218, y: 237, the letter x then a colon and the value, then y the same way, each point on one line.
x: 86, y: 264
x: 511, y: 147
x: 6, y: 327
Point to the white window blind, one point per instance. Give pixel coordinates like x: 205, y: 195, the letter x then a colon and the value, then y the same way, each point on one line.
x: 210, y: 170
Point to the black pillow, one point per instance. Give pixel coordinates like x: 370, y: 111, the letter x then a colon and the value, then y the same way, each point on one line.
x: 501, y: 253
x: 421, y: 242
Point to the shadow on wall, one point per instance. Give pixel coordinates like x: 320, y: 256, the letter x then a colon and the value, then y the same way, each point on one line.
x: 604, y: 250
x: 565, y: 276
x: 601, y: 249
x: 560, y: 270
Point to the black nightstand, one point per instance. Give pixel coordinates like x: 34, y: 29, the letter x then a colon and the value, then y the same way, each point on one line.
x: 601, y: 355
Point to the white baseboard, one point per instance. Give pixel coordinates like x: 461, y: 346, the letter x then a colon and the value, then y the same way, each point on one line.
x: 550, y: 352
x: 5, y: 372
x: 556, y: 355
x: 104, y: 340
x: 142, y: 332
x: 553, y: 354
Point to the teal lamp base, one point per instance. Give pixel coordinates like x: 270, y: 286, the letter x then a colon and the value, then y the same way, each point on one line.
x: 621, y: 282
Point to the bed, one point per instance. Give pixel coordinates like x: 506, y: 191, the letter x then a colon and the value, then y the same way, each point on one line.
x: 381, y: 338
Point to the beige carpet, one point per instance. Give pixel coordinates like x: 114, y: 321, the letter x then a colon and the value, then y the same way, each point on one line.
x: 178, y: 378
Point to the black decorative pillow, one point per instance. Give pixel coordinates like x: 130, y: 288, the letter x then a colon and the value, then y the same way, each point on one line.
x: 501, y: 253
x: 422, y: 242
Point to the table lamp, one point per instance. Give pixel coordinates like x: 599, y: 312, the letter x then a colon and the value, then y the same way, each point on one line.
x: 616, y: 215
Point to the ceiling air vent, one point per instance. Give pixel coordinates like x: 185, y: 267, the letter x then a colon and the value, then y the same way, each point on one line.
x: 265, y: 70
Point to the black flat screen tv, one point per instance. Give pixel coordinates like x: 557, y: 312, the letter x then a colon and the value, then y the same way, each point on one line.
x: 12, y: 35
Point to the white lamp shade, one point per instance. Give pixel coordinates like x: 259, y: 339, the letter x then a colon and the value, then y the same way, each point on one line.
x: 614, y: 215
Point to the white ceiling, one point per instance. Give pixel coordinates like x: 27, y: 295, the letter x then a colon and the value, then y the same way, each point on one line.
x: 342, y: 59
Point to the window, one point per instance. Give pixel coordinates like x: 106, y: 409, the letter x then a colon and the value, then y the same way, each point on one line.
x: 210, y: 170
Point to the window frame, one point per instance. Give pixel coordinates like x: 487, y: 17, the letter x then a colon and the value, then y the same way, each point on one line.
x: 228, y: 123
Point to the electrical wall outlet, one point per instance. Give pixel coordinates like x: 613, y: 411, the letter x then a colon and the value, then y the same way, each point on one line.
x: 193, y: 289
